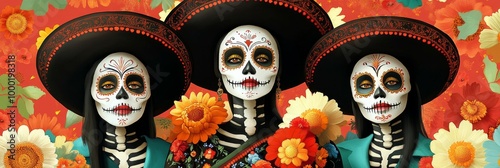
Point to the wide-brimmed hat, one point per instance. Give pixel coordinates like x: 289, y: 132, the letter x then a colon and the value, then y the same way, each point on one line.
x: 70, y: 51
x: 429, y: 54
x: 296, y: 26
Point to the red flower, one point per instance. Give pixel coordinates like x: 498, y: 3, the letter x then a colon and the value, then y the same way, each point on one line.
x: 425, y: 162
x: 178, y: 147
x: 262, y: 164
x: 292, y: 147
x: 479, y: 107
x: 299, y: 123
x: 209, y: 153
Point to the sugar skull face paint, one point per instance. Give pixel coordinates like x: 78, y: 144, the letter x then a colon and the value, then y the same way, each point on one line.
x: 248, y: 62
x: 120, y: 89
x: 380, y: 85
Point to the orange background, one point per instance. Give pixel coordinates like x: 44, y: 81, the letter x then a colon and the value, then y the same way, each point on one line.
x: 432, y: 11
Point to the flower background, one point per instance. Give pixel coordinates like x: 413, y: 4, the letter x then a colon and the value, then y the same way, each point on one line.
x: 474, y: 25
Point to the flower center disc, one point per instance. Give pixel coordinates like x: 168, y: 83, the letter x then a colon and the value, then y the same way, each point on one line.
x: 317, y: 120
x: 461, y: 153
x: 26, y: 155
x: 195, y: 112
x: 291, y: 151
x: 16, y: 23
x: 473, y: 110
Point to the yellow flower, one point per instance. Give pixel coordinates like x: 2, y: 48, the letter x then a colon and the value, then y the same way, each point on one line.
x: 43, y: 34
x: 31, y: 149
x: 293, y: 151
x: 460, y: 147
x: 320, y: 113
x: 197, y: 117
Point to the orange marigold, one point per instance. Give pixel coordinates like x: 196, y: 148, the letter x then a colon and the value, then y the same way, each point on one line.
x: 45, y: 122
x: 17, y: 24
x: 196, y: 118
x: 292, y: 147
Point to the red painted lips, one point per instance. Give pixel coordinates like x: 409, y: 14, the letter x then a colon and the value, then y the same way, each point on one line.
x: 250, y: 83
x: 381, y: 106
x: 123, y: 110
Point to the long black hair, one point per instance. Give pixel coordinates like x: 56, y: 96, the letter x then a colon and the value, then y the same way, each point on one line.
x: 94, y: 127
x: 412, y: 124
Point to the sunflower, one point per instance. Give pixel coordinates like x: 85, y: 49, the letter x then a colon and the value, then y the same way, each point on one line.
x: 16, y: 23
x: 477, y: 106
x: 43, y: 34
x: 450, y: 20
x: 459, y: 147
x: 493, y: 150
x: 292, y: 147
x: 31, y: 149
x: 44, y: 122
x: 197, y: 117
x: 320, y: 113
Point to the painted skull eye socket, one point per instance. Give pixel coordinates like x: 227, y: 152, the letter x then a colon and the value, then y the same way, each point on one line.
x: 392, y: 81
x: 364, y: 85
x: 107, y: 84
x: 135, y: 83
x: 263, y: 57
x: 233, y: 57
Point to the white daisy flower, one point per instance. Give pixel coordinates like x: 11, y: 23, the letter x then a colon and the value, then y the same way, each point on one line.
x: 490, y: 37
x: 324, y: 117
x: 31, y: 149
x: 459, y: 147
x: 335, y: 16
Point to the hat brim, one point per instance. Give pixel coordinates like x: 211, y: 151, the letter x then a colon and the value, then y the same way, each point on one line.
x: 296, y: 26
x: 70, y: 51
x: 429, y: 54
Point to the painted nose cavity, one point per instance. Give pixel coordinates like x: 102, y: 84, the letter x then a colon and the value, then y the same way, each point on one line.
x: 379, y: 93
x: 122, y: 94
x: 248, y: 69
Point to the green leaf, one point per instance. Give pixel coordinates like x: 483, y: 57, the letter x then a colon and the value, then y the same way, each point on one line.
x: 41, y: 8
x: 471, y: 23
x: 155, y: 3
x: 167, y: 4
x: 495, y: 87
x: 33, y: 92
x: 72, y: 118
x: 490, y: 69
x: 59, y: 4
x: 25, y: 107
x: 4, y: 80
x: 4, y: 102
x: 28, y: 4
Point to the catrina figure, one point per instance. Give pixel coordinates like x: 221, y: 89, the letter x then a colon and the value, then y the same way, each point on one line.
x: 118, y: 70
x: 256, y: 48
x: 382, y: 70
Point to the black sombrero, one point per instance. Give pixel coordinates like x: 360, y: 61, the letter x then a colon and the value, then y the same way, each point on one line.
x: 296, y: 26
x: 429, y: 54
x: 69, y: 52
